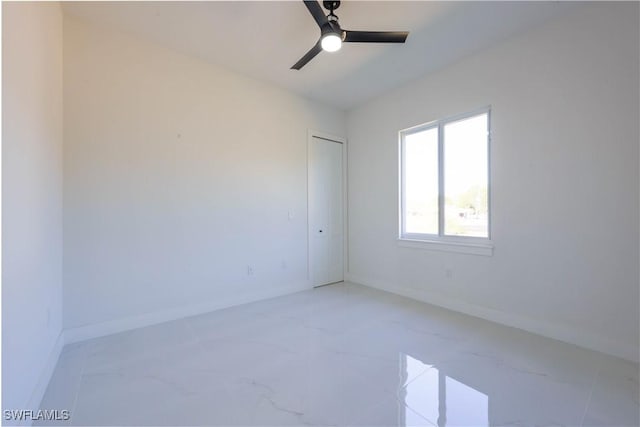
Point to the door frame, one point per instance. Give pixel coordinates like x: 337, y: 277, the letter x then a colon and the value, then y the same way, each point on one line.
x: 311, y: 133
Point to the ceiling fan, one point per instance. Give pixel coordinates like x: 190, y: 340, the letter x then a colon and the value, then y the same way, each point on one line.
x: 332, y: 36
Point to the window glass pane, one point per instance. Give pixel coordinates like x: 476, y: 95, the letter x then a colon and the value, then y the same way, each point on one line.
x: 466, y: 177
x: 421, y: 182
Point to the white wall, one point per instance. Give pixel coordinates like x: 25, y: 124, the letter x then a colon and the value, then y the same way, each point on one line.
x: 31, y: 199
x: 565, y: 182
x: 178, y: 176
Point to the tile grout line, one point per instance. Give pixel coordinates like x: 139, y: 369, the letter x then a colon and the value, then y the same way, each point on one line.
x: 593, y: 385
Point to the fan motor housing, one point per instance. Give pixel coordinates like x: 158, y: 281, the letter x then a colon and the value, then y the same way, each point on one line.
x: 331, y: 5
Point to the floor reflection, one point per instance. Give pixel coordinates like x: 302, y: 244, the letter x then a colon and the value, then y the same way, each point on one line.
x: 431, y: 395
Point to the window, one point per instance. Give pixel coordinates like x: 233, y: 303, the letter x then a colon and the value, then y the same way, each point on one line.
x: 444, y: 176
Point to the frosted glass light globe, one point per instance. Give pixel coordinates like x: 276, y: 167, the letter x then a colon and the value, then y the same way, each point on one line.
x: 331, y: 42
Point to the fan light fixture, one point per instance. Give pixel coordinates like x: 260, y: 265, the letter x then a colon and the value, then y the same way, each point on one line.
x: 332, y: 35
x: 331, y: 42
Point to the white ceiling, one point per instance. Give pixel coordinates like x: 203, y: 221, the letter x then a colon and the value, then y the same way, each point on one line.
x: 264, y: 39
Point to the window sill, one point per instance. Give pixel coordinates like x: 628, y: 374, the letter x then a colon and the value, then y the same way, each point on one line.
x: 484, y: 249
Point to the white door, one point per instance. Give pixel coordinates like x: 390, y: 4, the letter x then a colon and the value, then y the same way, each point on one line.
x: 326, y: 233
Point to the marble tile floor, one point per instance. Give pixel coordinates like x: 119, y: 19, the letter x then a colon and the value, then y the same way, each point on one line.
x: 341, y: 355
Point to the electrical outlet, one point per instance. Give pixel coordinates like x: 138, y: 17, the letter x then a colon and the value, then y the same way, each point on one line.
x: 249, y: 270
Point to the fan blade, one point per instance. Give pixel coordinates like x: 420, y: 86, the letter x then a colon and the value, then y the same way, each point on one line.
x: 317, y: 12
x: 376, y: 36
x: 308, y: 56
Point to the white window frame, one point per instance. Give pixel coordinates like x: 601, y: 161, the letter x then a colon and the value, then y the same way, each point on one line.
x: 463, y: 244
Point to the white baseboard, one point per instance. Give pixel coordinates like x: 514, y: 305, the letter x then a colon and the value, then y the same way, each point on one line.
x: 537, y: 326
x: 96, y: 330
